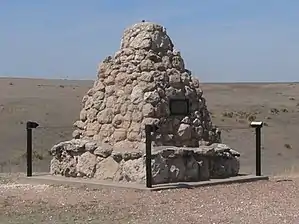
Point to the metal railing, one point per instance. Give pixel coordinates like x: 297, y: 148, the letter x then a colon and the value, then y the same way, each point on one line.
x: 149, y: 129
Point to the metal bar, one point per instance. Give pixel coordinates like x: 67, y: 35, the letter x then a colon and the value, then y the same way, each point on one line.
x: 258, y: 151
x: 29, y: 150
x: 29, y: 126
x: 148, y: 155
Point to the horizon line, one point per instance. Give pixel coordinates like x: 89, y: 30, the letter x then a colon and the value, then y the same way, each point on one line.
x: 92, y: 80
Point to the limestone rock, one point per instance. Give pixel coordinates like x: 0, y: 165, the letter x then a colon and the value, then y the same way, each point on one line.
x: 90, y: 146
x: 160, y: 170
x: 103, y: 151
x: 204, y: 169
x: 79, y: 124
x: 177, y: 169
x: 106, y: 169
x: 184, y: 131
x: 67, y: 167
x: 146, y: 36
x: 74, y: 145
x: 86, y: 164
x: 133, y: 171
x: 120, y: 135
x: 55, y: 166
x: 76, y: 134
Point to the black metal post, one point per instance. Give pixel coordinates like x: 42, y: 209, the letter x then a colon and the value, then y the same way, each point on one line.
x: 29, y: 126
x: 29, y: 152
x: 258, y: 163
x: 148, y: 155
x: 258, y: 151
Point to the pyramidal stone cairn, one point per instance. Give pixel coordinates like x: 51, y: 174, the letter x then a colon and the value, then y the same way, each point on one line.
x: 145, y: 82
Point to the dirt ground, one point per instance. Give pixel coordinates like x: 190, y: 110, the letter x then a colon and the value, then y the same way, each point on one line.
x: 267, y: 202
x: 55, y: 105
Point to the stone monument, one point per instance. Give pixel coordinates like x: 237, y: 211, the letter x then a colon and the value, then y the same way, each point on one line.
x: 145, y: 82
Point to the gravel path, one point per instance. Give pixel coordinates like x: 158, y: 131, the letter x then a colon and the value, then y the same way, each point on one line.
x: 273, y: 201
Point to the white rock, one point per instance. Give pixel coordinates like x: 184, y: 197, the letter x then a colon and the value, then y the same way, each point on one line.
x: 86, y: 164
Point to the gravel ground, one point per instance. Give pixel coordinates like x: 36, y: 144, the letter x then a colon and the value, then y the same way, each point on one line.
x: 274, y: 201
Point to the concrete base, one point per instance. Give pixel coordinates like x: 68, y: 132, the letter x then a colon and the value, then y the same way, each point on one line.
x: 94, y: 184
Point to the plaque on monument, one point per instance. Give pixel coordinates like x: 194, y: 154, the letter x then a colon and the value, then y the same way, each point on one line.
x: 179, y: 107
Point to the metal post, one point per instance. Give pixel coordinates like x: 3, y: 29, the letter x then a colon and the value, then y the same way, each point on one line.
x: 258, y: 163
x: 29, y: 126
x: 148, y: 153
x: 29, y: 151
x: 258, y: 151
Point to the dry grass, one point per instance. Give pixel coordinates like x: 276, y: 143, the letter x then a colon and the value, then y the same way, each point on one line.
x: 292, y: 172
x: 231, y: 105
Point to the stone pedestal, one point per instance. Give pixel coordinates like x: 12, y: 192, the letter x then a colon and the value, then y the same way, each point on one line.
x: 81, y: 158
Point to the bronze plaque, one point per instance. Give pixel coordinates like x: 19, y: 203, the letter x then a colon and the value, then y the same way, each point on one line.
x: 179, y: 107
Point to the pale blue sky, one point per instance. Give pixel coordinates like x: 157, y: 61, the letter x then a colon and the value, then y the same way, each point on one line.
x: 220, y: 40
